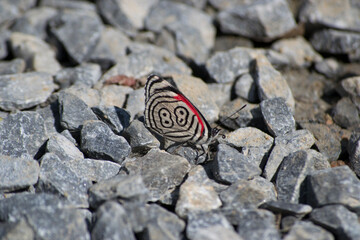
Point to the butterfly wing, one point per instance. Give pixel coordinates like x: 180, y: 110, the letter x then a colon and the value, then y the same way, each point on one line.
x: 169, y: 113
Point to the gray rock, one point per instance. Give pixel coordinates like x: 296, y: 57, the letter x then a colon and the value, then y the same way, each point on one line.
x: 165, y: 13
x: 298, y: 51
x: 61, y: 5
x: 337, y: 185
x: 306, y: 231
x: 203, y: 220
x: 14, y: 66
x: 256, y: 19
x: 216, y: 232
x: 90, y: 96
x: 113, y: 95
x: 350, y: 86
x: 320, y: 161
x: 337, y: 42
x: 9, y: 10
x: 34, y: 21
x: 291, y: 175
x: 51, y: 117
x: 225, y: 67
x: 18, y: 230
x: 354, y: 152
x: 24, y: 90
x: 339, y: 220
x: 116, y: 118
x: 255, y: 144
x: 63, y: 148
x: 121, y: 187
x: 99, y: 142
x: 78, y: 31
x: 287, y: 222
x: 328, y: 67
x: 121, y: 13
x: 230, y: 165
x: 13, y: 208
x: 287, y: 209
x: 245, y: 88
x: 277, y: 116
x: 57, y: 177
x: 283, y: 146
x: 86, y: 73
x: 160, y: 171
x: 22, y: 134
x: 270, y: 83
x: 220, y: 92
x: 346, y: 114
x: 4, y: 37
x: 132, y: 105
x: 38, y: 55
x: 333, y: 15
x: 111, y: 223
x: 247, y: 194
x: 325, y: 140
x: 139, y: 137
x: 17, y: 173
x: 73, y: 112
x: 67, y: 134
x: 195, y: 197
x: 58, y: 223
x: 194, y: 154
x: 257, y: 224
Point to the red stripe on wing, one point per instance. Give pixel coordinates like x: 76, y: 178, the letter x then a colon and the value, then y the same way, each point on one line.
x: 193, y: 109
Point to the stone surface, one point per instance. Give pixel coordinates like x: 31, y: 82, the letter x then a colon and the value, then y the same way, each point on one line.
x: 17, y: 173
x: 90, y: 96
x: 337, y: 185
x: 14, y: 66
x: 99, y: 142
x: 116, y: 118
x: 245, y: 194
x: 245, y: 88
x: 354, y: 152
x: 22, y: 134
x: 287, y: 208
x: 18, y: 230
x: 329, y: 67
x: 159, y: 170
x: 24, y: 90
x: 277, y: 116
x: 339, y: 220
x: 113, y: 95
x: 283, y: 146
x: 306, y: 231
x: 87, y: 74
x: 78, y: 31
x: 230, y: 165
x: 56, y: 177
x: 256, y: 19
x: 63, y: 148
x: 346, y: 114
x: 111, y: 223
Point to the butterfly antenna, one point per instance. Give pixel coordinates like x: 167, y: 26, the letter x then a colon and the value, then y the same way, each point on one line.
x: 217, y: 130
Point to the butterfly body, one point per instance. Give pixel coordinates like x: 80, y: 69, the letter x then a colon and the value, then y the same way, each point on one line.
x: 170, y: 114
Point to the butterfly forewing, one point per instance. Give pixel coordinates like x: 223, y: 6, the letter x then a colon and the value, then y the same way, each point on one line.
x: 169, y: 113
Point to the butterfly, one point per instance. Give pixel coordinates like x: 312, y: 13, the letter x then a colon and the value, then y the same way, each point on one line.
x: 172, y: 115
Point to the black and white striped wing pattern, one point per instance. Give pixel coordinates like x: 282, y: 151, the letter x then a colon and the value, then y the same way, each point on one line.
x: 169, y: 113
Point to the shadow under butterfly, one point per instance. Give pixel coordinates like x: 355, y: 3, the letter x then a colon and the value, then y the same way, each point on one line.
x: 171, y: 115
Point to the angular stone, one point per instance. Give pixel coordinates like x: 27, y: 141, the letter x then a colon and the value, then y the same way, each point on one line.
x: 277, y: 116
x: 263, y: 22
x: 87, y: 6
x: 140, y: 138
x: 320, y: 161
x: 24, y: 90
x: 57, y: 177
x: 116, y: 118
x: 63, y: 148
x: 337, y: 185
x: 132, y: 105
x: 245, y: 88
x: 18, y: 230
x: 160, y: 171
x: 73, y: 112
x: 164, y: 13
x: 17, y: 173
x: 99, y: 142
x: 121, y: 187
x: 22, y: 134
x: 255, y: 144
x: 78, y: 31
x: 199, y: 175
x: 287, y: 209
x: 283, y: 146
x: 51, y: 116
x: 271, y: 83
x: 204, y: 220
x: 354, y: 152
x: 346, y: 114
x: 113, y: 95
x: 339, y: 220
x: 14, y: 66
x: 194, y: 197
x: 350, y: 87
x: 246, y: 194
x: 111, y: 223
x: 9, y: 10
x: 90, y: 96
x: 292, y: 172
x: 38, y: 55
x: 258, y: 225
x: 220, y: 92
x: 225, y: 67
x: 328, y: 67
x: 307, y: 231
x: 230, y: 165
x: 216, y: 232
x: 87, y: 74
